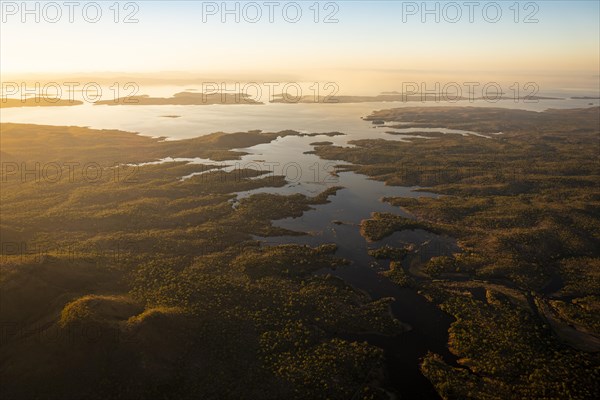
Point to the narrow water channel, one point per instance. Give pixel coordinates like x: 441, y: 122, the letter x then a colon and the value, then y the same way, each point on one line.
x: 338, y: 222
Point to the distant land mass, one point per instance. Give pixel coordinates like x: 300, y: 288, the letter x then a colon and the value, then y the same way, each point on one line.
x: 365, y: 99
x: 38, y: 102
x: 200, y: 99
x: 398, y: 97
x: 529, y: 98
x: 182, y: 99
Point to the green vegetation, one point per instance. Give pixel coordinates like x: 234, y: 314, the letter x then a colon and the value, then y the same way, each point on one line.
x: 397, y: 275
x: 525, y: 208
x: 389, y: 253
x: 382, y: 225
x: 138, y: 284
x: 22, y: 143
x: 132, y: 283
x: 507, y: 354
x: 526, y: 125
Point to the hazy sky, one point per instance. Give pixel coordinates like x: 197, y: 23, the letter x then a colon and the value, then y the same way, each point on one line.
x: 372, y: 40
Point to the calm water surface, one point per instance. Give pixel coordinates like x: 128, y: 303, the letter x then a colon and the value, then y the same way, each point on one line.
x: 336, y: 222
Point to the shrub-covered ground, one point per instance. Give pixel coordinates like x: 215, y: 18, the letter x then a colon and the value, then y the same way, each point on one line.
x: 525, y: 208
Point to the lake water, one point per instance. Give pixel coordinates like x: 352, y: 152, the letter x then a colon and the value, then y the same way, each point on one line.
x: 201, y: 120
x: 335, y: 222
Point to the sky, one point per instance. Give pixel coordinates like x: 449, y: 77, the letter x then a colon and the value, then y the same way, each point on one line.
x: 555, y: 42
